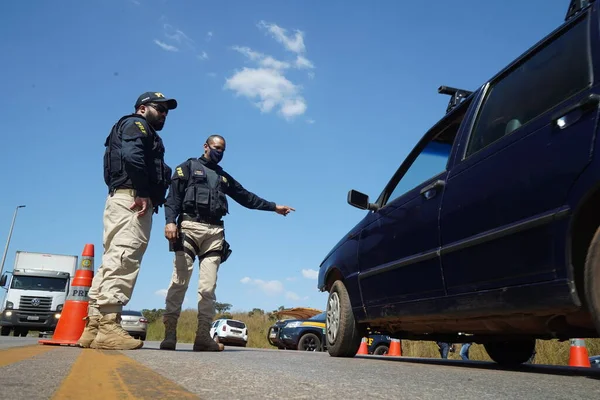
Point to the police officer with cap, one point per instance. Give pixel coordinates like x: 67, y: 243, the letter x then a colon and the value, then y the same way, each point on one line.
x: 137, y: 179
x: 197, y: 202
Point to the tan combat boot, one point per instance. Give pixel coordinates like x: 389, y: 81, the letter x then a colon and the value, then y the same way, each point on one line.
x: 90, y: 331
x: 203, y: 341
x: 170, y: 334
x: 111, y: 336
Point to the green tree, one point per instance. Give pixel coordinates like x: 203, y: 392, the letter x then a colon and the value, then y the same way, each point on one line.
x: 222, y: 307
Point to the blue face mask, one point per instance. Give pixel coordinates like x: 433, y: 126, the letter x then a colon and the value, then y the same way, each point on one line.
x: 215, y: 155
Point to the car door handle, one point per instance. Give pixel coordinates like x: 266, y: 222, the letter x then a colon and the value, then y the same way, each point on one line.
x: 561, y: 118
x: 430, y: 190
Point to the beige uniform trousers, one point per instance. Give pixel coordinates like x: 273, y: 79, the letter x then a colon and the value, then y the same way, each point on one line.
x: 125, y: 241
x: 200, y: 239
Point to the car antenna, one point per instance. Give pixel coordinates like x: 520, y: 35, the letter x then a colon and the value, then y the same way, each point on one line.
x: 457, y: 96
x: 575, y: 7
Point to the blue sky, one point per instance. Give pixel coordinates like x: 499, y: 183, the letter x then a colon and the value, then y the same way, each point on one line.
x: 314, y: 99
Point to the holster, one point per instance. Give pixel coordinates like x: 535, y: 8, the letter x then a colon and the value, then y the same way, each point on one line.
x: 177, y: 245
x: 225, y: 252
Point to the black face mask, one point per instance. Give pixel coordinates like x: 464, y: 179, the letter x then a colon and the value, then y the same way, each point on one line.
x: 156, y: 122
x: 215, y: 155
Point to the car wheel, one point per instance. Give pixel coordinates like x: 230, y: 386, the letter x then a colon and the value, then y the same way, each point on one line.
x: 343, y: 338
x: 142, y: 337
x: 309, y: 342
x: 381, y: 350
x: 592, y: 279
x: 510, y: 353
x: 5, y: 331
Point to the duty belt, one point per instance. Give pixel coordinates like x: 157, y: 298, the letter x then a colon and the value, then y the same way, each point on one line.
x: 202, y: 218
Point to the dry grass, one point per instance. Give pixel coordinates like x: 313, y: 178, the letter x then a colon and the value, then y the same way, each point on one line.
x: 549, y: 352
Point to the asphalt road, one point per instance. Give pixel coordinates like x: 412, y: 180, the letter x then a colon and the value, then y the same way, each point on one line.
x: 32, y: 371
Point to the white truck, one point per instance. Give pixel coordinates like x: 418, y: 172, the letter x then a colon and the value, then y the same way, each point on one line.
x: 37, y: 289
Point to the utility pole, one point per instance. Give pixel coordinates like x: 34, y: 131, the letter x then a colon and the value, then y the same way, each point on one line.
x: 12, y: 225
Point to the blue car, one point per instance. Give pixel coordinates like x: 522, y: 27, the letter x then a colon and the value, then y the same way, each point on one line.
x: 309, y: 335
x: 490, y: 226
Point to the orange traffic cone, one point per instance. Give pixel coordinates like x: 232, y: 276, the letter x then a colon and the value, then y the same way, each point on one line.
x: 363, y: 349
x: 395, y: 348
x: 578, y: 356
x: 71, y: 323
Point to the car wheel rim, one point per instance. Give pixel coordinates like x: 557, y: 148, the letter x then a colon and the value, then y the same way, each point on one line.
x: 333, y: 317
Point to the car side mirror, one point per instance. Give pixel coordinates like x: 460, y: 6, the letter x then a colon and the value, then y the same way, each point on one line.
x: 3, y: 280
x: 360, y: 200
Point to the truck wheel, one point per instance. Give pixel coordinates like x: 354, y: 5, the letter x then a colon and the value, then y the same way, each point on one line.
x: 343, y: 337
x: 309, y: 342
x: 5, y: 331
x: 592, y: 279
x: 381, y: 350
x: 510, y: 353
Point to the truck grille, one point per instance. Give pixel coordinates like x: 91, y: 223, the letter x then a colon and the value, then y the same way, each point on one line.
x: 26, y: 306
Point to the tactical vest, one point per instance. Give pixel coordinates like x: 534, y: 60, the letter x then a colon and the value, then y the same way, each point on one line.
x: 159, y: 173
x: 205, y: 192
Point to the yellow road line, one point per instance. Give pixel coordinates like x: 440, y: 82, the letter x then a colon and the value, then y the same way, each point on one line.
x: 16, y: 354
x: 105, y: 375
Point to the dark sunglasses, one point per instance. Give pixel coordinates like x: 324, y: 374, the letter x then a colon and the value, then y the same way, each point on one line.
x: 159, y: 107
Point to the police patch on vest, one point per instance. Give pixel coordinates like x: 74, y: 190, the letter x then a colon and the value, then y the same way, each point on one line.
x: 179, y: 171
x: 224, y: 179
x: 199, y: 172
x: 141, y: 127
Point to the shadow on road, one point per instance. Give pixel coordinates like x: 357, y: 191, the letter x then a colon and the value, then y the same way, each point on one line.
x: 593, y: 373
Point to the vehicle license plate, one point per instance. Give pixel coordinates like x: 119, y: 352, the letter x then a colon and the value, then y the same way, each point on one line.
x: 33, y: 318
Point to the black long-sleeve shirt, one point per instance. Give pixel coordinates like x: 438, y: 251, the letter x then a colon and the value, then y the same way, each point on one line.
x: 173, y: 206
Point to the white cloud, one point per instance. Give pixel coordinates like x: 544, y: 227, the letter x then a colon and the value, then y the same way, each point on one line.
x: 178, y: 35
x: 310, y: 273
x: 136, y: 2
x: 304, y: 63
x: 270, y: 288
x: 165, y: 46
x: 161, y: 292
x: 291, y: 296
x: 203, y: 56
x: 266, y: 85
x: 209, y: 36
x: 270, y: 89
x: 262, y: 59
x: 292, y: 43
x: 310, y: 121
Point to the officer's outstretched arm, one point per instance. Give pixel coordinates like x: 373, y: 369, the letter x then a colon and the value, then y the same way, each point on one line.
x: 247, y: 199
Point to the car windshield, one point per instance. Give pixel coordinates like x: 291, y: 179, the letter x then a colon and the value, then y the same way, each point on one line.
x: 39, y: 283
x: 318, y: 317
x: 236, y: 324
x: 130, y: 312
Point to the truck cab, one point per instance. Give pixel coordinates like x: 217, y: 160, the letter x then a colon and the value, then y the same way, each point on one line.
x: 36, y: 292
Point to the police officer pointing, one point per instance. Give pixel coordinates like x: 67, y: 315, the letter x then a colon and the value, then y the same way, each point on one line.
x: 197, y: 202
x: 137, y: 179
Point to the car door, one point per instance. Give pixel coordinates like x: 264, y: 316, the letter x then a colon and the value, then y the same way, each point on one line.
x: 530, y: 140
x: 398, y: 251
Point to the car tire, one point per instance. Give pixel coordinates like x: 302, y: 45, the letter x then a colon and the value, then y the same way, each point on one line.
x: 142, y: 337
x: 342, y: 336
x: 309, y: 342
x: 5, y: 331
x: 510, y: 353
x: 381, y: 350
x: 592, y: 279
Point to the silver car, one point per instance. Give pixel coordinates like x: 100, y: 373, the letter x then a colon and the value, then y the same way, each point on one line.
x: 134, y: 323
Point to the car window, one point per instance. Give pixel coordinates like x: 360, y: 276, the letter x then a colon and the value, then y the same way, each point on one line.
x: 540, y: 82
x: 319, y: 317
x: 130, y: 312
x: 429, y: 163
x: 236, y: 324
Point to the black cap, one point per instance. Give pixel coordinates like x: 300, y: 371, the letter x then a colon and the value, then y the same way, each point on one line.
x: 155, y: 97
